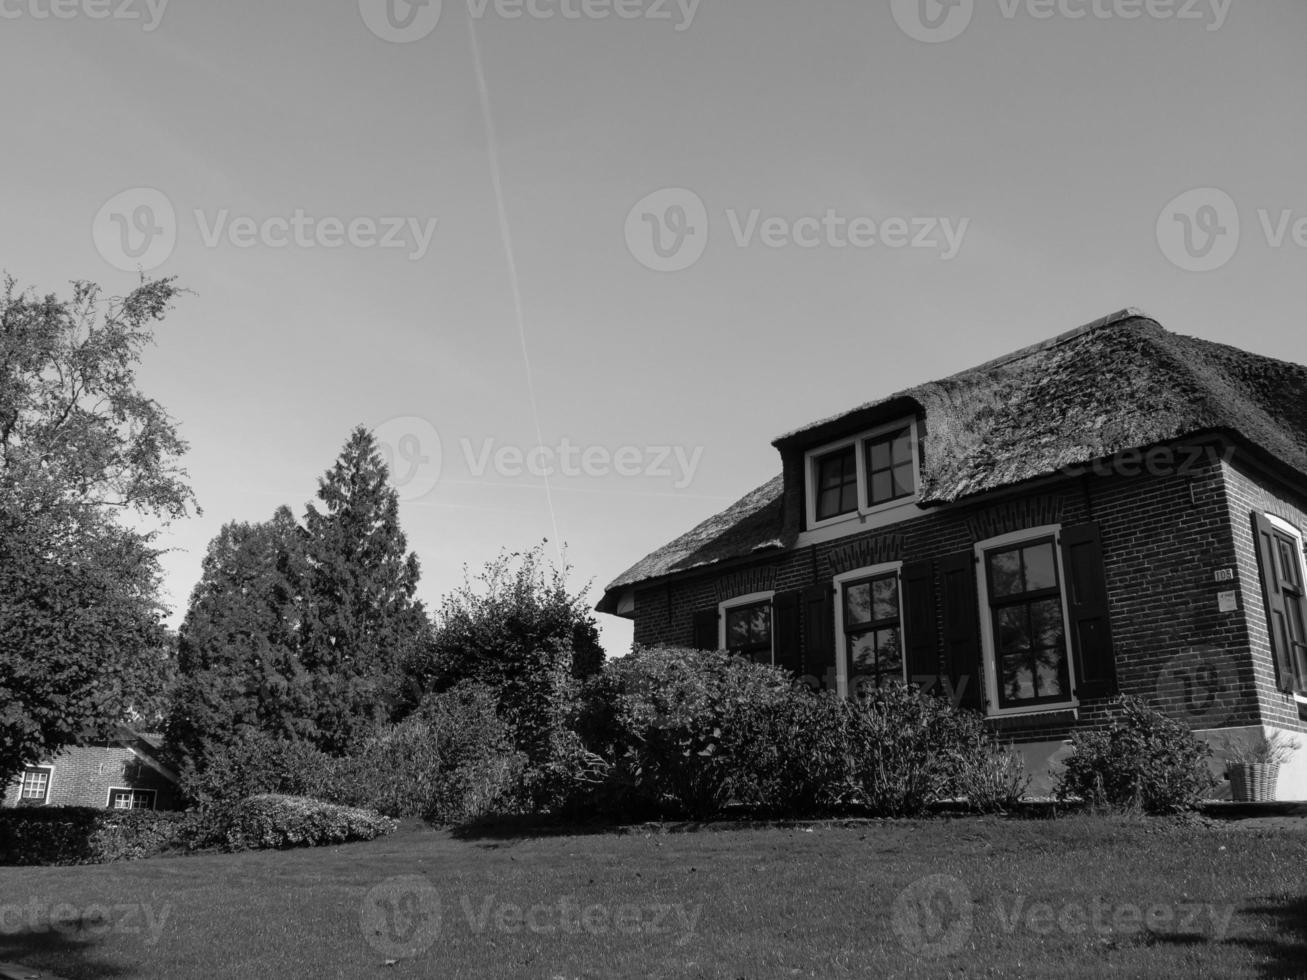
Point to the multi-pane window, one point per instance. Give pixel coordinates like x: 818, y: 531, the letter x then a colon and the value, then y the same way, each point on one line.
x: 36, y: 785
x: 1282, y: 577
x: 1025, y: 603
x: 131, y: 799
x: 873, y: 634
x: 891, y: 472
x: 837, y: 483
x: 748, y: 631
x: 878, y: 469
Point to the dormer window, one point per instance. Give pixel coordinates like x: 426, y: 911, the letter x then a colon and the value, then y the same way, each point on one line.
x: 874, y: 471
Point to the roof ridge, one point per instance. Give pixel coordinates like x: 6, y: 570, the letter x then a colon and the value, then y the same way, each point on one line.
x: 1102, y: 323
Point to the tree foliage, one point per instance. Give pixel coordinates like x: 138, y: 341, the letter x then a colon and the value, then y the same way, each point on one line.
x: 81, y: 644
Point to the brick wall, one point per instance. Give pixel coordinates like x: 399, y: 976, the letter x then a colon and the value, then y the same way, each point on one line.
x: 1164, y: 536
x: 84, y: 775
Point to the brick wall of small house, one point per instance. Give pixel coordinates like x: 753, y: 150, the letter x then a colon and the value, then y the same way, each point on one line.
x: 84, y: 775
x: 1163, y: 537
x: 1249, y: 491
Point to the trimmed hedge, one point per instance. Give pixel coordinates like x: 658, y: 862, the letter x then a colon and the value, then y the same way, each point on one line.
x: 273, y: 821
x: 84, y: 835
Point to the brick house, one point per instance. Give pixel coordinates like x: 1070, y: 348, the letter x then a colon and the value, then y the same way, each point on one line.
x: 123, y: 772
x: 1118, y: 510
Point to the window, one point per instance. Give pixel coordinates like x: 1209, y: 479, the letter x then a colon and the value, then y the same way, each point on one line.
x: 36, y: 785
x: 747, y: 624
x: 862, y: 475
x: 1026, y: 642
x: 131, y: 799
x: 1281, y: 556
x: 837, y: 484
x: 891, y: 470
x: 873, y: 637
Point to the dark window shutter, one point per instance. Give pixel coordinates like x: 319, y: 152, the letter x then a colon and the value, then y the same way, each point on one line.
x: 957, y: 576
x: 920, y: 636
x: 705, y: 630
x: 818, y: 635
x: 1086, y: 602
x: 787, y: 638
x: 1277, y: 612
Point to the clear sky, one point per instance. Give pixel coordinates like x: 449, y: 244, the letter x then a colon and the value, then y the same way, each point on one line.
x: 855, y: 197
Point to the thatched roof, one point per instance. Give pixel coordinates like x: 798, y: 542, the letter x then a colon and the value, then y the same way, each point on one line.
x: 1117, y: 384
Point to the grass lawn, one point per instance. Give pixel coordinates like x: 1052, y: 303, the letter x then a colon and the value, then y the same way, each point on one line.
x: 1077, y: 897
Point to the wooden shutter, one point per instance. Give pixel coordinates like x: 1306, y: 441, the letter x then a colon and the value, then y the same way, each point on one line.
x: 705, y: 630
x: 787, y: 637
x: 1277, y: 612
x: 920, y: 636
x: 818, y: 634
x: 1086, y: 602
x: 961, y: 633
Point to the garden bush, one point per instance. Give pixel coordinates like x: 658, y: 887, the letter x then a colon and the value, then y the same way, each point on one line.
x: 273, y: 821
x: 84, y: 835
x: 992, y: 778
x: 665, y: 719
x: 451, y: 761
x: 1142, y: 761
x: 790, y: 756
x: 908, y: 749
x: 257, y: 763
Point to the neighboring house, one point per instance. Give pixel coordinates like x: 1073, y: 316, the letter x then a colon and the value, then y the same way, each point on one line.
x: 124, y: 772
x: 1117, y: 510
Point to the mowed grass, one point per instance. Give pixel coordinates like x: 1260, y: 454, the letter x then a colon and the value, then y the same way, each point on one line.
x: 1076, y: 897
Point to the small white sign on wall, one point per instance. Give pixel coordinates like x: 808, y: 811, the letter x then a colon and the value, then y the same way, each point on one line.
x: 1227, y: 601
x: 1225, y: 575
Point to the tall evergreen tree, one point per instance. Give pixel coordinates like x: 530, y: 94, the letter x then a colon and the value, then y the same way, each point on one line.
x: 360, y: 621
x: 237, y: 648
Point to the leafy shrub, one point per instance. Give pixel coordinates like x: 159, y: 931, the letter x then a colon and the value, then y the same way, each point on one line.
x: 790, y: 756
x: 273, y: 821
x: 668, y: 720
x: 451, y: 761
x: 908, y: 749
x: 992, y: 778
x: 84, y: 835
x: 1142, y: 761
x: 257, y: 763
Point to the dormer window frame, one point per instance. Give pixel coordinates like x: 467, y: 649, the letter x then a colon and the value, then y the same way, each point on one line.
x: 859, y: 443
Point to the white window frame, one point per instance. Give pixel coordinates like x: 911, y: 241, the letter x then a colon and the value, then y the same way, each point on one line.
x: 841, y: 648
x: 858, y: 442
x: 49, y: 784
x: 752, y: 599
x: 989, y: 655
x: 154, y: 797
x: 1280, y: 524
